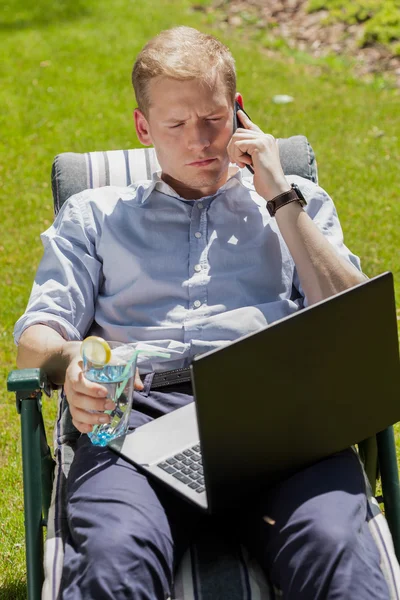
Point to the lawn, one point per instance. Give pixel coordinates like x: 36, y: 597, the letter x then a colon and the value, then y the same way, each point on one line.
x: 65, y: 86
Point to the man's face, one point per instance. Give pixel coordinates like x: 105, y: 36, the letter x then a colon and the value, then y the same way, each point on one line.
x: 190, y: 126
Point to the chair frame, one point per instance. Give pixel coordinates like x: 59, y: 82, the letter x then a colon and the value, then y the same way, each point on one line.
x: 378, y: 454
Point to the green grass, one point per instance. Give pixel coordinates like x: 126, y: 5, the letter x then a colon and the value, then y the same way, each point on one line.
x: 381, y: 18
x: 65, y: 86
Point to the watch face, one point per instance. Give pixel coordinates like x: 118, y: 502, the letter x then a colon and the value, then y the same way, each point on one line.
x: 298, y: 192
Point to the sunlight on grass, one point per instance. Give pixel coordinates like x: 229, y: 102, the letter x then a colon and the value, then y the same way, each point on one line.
x: 381, y: 18
x: 66, y: 87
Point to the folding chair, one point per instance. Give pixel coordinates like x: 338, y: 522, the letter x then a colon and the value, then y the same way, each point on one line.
x: 213, y: 568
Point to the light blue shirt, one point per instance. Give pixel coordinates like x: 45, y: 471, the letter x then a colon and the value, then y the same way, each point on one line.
x: 141, y: 264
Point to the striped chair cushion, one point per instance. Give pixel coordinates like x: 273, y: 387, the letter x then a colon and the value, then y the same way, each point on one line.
x: 72, y: 173
x: 212, y: 568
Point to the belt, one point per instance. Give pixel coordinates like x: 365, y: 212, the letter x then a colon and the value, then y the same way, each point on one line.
x: 170, y: 377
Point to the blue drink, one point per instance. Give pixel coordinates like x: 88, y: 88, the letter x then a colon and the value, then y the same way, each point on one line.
x: 119, y: 386
x: 117, y: 376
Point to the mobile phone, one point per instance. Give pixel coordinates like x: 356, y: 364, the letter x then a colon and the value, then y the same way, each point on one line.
x: 236, y: 124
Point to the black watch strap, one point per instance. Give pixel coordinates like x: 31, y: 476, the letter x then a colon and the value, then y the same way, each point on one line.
x: 292, y: 195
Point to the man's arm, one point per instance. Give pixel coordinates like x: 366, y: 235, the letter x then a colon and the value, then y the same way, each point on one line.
x: 41, y: 346
x: 322, y: 271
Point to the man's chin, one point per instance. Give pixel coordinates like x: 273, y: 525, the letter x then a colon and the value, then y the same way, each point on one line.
x: 193, y: 183
x: 207, y: 177
x: 205, y: 185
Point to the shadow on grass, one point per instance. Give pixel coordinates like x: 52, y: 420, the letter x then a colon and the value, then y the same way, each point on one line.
x: 15, y: 590
x: 17, y: 15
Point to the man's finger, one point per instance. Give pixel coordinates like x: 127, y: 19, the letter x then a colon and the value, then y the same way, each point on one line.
x: 246, y: 122
x: 87, y: 387
x: 244, y: 160
x: 138, y: 384
x: 89, y: 418
x: 75, y: 381
x: 85, y: 402
x: 246, y: 134
x: 82, y: 427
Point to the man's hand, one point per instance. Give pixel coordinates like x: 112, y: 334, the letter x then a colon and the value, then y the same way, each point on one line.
x: 88, y: 400
x: 42, y: 346
x: 250, y: 146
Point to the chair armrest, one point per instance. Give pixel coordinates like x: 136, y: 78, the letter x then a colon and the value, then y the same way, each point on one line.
x: 29, y: 381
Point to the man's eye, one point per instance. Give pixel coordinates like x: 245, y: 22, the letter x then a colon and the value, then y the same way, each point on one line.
x: 177, y: 125
x: 214, y: 119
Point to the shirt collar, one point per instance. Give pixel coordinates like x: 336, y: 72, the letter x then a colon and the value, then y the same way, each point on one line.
x: 234, y: 178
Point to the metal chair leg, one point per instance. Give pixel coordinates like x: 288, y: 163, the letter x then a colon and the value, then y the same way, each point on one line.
x: 390, y: 483
x: 37, y: 468
x: 31, y: 423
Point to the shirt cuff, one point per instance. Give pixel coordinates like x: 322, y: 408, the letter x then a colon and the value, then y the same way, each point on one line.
x: 62, y: 326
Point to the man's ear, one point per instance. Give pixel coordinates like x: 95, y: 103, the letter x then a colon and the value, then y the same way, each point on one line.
x: 142, y: 128
x: 239, y: 99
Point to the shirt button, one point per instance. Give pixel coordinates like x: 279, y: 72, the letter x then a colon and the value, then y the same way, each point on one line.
x: 197, y: 268
x: 200, y: 205
x: 197, y: 234
x: 196, y: 303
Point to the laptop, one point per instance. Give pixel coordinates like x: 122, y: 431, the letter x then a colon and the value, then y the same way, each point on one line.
x: 276, y: 401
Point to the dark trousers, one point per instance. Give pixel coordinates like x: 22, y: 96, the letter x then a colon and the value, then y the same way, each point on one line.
x: 128, y: 533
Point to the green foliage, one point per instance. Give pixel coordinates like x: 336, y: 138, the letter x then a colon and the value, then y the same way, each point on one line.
x: 384, y: 26
x: 65, y: 86
x: 348, y: 12
x: 381, y: 17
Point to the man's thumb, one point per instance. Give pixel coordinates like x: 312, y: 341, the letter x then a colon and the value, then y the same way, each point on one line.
x: 138, y: 382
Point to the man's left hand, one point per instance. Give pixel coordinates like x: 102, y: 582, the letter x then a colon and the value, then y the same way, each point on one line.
x: 251, y: 146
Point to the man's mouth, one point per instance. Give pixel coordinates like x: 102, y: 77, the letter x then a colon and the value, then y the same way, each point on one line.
x: 203, y: 162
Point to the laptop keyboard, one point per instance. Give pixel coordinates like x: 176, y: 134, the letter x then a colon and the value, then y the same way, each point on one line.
x: 187, y: 467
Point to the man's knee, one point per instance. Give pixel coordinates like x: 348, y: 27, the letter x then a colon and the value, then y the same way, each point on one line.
x: 328, y: 537
x: 134, y: 543
x: 132, y: 562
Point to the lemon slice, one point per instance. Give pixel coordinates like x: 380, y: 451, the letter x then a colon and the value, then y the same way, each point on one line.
x: 96, y: 350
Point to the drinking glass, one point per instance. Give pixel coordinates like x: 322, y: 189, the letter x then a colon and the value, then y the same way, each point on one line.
x: 117, y: 376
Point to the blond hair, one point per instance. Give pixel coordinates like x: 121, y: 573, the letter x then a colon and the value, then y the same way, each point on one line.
x: 182, y: 53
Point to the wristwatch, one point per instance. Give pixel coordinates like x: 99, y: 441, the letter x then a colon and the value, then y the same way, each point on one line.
x: 293, y: 195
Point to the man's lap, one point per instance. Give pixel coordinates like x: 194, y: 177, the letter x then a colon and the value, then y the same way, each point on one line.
x: 95, y: 468
x: 100, y: 477
x: 316, y: 516
x: 126, y: 534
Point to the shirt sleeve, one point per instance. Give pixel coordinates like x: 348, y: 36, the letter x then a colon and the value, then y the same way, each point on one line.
x: 69, y: 275
x: 322, y: 211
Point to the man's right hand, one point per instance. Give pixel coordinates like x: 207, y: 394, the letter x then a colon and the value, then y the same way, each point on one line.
x: 87, y: 400
x: 42, y: 346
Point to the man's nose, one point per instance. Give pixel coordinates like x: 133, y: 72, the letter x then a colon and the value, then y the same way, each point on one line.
x: 198, y: 137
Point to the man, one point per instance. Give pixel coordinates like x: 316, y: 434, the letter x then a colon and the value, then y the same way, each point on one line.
x: 190, y: 261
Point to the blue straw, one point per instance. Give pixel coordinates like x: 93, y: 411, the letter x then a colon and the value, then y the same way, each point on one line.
x: 127, y: 369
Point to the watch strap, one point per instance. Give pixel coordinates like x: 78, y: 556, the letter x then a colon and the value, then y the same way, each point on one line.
x: 292, y: 195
